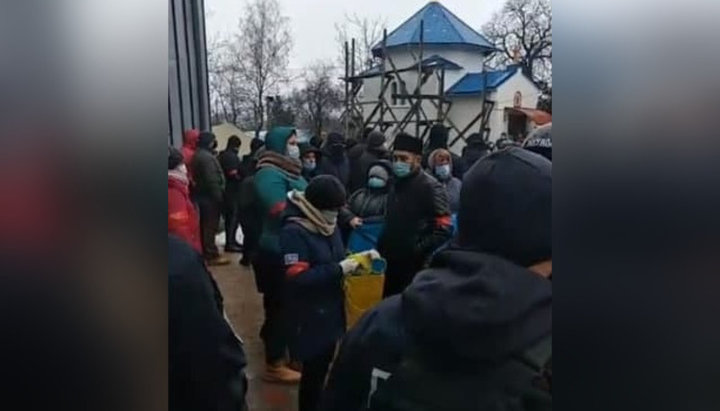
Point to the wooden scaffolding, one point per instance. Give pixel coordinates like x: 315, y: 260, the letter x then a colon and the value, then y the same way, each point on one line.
x: 385, y: 117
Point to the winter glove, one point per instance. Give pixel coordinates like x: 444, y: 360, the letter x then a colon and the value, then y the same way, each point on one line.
x: 348, y: 265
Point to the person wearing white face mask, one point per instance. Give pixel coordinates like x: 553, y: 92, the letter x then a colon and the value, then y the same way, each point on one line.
x: 441, y: 167
x: 314, y: 260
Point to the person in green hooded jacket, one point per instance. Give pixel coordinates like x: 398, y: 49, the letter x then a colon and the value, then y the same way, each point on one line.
x: 278, y: 172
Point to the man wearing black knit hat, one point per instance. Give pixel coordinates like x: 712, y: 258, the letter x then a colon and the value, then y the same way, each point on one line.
x: 474, y: 329
x: 418, y: 216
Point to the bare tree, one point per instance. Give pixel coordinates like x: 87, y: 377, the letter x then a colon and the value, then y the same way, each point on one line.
x: 259, y: 54
x: 229, y: 95
x: 319, y: 102
x: 522, y: 31
x: 367, y: 32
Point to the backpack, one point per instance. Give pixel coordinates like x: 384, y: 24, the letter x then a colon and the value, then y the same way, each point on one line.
x: 522, y: 383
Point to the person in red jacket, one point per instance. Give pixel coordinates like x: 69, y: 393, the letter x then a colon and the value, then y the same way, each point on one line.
x: 190, y: 140
x: 183, y: 220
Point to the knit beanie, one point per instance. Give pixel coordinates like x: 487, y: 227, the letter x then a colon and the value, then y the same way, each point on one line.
x: 506, y: 207
x: 325, y: 192
x: 175, y: 158
x: 379, y: 172
x: 375, y: 139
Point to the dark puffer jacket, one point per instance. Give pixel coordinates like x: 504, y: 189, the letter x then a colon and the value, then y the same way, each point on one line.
x: 468, y: 309
x: 206, y: 171
x: 315, y: 294
x: 371, y: 202
x: 475, y: 149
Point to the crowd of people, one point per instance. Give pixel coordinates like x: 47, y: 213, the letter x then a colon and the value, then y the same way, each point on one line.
x: 466, y: 313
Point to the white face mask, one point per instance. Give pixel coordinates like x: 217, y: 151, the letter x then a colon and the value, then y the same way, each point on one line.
x: 330, y: 216
x: 293, y: 151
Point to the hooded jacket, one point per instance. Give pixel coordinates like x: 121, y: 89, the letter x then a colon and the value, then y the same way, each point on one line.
x: 371, y: 202
x: 183, y: 220
x: 190, y: 140
x: 314, y: 279
x: 439, y: 139
x: 372, y: 151
x: 475, y: 149
x: 271, y: 187
x: 467, y: 310
x: 334, y: 163
x: 231, y: 166
x: 206, y: 171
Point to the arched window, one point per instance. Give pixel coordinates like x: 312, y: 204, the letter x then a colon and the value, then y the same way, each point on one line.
x: 403, y: 90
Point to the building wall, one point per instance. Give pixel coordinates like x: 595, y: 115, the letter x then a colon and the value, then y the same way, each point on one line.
x: 188, y: 105
x: 504, y: 98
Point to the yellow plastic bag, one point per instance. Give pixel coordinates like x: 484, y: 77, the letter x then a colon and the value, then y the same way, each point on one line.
x: 363, y: 289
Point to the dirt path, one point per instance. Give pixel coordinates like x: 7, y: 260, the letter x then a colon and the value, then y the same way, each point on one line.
x: 243, y: 305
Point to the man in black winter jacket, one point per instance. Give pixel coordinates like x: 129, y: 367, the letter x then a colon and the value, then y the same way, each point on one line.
x: 439, y: 139
x: 483, y: 303
x: 475, y: 149
x: 418, y: 217
x: 208, y: 192
x: 231, y: 166
x: 371, y: 151
x: 206, y: 358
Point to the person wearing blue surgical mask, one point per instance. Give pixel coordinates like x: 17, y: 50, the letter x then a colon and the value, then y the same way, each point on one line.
x: 441, y: 167
x: 417, y: 220
x: 371, y: 200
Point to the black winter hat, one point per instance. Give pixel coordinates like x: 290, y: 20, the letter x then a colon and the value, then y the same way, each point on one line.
x: 540, y: 141
x: 308, y: 148
x: 375, y: 139
x: 406, y: 142
x: 438, y: 137
x: 506, y: 207
x: 175, y: 157
x: 206, y: 139
x: 325, y: 192
x: 256, y: 144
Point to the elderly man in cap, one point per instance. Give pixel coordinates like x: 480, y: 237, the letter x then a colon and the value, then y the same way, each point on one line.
x: 418, y: 216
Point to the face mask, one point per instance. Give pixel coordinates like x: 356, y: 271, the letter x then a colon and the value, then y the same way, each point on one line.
x: 309, y: 165
x: 443, y: 171
x: 376, y: 182
x: 401, y: 169
x: 330, y: 216
x: 293, y: 151
x: 182, y: 168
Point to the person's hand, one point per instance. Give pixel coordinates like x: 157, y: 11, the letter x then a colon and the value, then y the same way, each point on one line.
x: 356, y: 222
x: 348, y: 265
x: 373, y: 254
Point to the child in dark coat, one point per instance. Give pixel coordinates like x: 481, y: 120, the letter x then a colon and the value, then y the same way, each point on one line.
x: 313, y: 254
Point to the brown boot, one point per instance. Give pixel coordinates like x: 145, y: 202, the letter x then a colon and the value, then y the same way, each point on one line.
x: 219, y: 260
x: 279, y: 373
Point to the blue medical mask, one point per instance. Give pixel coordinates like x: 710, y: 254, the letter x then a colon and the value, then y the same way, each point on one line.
x: 376, y: 182
x: 309, y: 165
x: 442, y: 171
x: 293, y: 151
x: 401, y: 169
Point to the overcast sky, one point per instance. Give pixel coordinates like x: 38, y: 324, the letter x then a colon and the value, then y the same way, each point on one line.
x: 313, y: 21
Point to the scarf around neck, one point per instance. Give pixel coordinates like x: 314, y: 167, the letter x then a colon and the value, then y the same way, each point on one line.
x: 314, y: 221
x: 285, y: 164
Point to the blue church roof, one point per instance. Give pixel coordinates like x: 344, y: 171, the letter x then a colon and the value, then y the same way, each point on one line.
x: 441, y: 26
x: 475, y: 83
